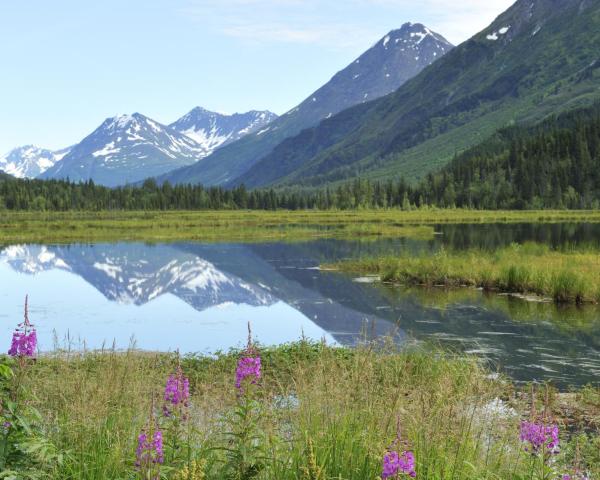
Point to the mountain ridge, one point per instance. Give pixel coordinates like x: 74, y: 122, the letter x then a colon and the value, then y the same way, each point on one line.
x: 394, y: 59
x: 535, y: 59
x: 126, y: 149
x: 29, y: 161
x: 214, y: 130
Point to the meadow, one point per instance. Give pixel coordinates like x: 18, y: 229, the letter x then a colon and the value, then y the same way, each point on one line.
x: 563, y: 275
x: 32, y: 227
x: 312, y: 411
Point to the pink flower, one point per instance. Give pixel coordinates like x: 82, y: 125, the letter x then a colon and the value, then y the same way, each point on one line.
x: 248, y: 368
x: 395, y: 464
x: 24, y: 339
x: 539, y: 435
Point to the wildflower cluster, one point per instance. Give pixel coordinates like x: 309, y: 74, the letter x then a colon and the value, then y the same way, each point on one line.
x: 177, y: 392
x: 24, y: 339
x: 149, y: 451
x: 249, y: 366
x: 395, y: 463
x: 538, y: 436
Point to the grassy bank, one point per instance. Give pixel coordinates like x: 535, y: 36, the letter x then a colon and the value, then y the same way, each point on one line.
x: 566, y: 276
x: 319, y: 413
x: 253, y: 225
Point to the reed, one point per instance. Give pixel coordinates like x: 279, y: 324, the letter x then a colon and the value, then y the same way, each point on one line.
x: 566, y: 276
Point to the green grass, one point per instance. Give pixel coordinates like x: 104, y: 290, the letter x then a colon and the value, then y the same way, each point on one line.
x: 344, y: 414
x: 568, y: 276
x: 254, y: 225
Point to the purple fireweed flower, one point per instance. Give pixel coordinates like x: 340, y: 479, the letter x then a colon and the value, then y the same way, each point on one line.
x: 538, y: 435
x: 24, y: 339
x: 177, y: 389
x: 248, y: 367
x: 149, y: 450
x: 395, y: 464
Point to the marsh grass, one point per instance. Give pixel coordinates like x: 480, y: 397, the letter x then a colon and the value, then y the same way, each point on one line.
x: 255, y: 225
x: 329, y: 413
x: 566, y: 276
x: 205, y: 226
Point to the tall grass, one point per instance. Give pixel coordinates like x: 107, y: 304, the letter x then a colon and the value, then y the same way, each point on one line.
x: 328, y: 413
x: 567, y: 276
x: 254, y: 225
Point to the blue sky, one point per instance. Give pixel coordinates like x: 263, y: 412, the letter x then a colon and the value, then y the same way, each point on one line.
x: 68, y: 64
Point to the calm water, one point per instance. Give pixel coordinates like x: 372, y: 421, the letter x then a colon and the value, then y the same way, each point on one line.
x: 198, y: 298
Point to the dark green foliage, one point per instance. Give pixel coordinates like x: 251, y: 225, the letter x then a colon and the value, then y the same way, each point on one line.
x: 553, y: 165
x: 546, y: 62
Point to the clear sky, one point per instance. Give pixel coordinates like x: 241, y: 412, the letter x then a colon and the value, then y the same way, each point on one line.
x: 65, y: 65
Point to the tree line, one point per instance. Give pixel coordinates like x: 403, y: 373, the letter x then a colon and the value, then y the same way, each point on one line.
x: 555, y: 164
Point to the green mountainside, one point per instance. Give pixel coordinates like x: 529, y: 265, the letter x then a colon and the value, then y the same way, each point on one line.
x: 555, y: 164
x: 397, y: 57
x: 538, y: 58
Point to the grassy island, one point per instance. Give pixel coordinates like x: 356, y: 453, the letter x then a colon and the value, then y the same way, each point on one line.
x: 255, y: 225
x: 566, y: 276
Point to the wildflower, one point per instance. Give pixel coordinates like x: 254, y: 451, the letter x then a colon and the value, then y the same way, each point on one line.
x: 248, y: 367
x: 24, y: 339
x: 395, y: 464
x: 538, y: 435
x: 149, y: 450
x: 177, y: 392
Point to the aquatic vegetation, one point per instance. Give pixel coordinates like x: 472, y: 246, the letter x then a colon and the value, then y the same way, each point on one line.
x: 256, y: 225
x: 566, y: 276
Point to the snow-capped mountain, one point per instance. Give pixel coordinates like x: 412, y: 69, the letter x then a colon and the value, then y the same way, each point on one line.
x: 30, y: 161
x: 213, y: 130
x: 394, y: 59
x: 126, y: 149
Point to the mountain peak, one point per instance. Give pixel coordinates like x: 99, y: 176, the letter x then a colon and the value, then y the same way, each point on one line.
x: 29, y: 161
x: 126, y: 149
x: 393, y: 60
x: 213, y: 130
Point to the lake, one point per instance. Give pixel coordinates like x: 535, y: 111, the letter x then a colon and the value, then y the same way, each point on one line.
x: 198, y: 297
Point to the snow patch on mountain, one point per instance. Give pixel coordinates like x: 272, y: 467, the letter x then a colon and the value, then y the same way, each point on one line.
x: 127, y: 149
x: 213, y: 130
x: 30, y: 161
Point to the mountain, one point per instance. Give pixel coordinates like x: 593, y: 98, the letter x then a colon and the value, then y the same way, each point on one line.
x: 30, y: 161
x: 396, y: 58
x: 212, y: 130
x: 540, y: 57
x: 5, y: 176
x: 554, y: 164
x: 126, y: 149
x: 129, y: 273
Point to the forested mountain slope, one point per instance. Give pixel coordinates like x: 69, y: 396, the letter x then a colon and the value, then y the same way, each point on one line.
x: 539, y: 57
x: 397, y: 57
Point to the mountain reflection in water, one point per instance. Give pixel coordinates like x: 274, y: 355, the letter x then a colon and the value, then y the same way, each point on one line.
x: 198, y: 298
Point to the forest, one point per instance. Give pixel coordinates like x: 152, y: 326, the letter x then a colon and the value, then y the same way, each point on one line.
x: 555, y: 164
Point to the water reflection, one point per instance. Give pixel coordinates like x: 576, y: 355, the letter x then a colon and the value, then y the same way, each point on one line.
x: 198, y: 297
